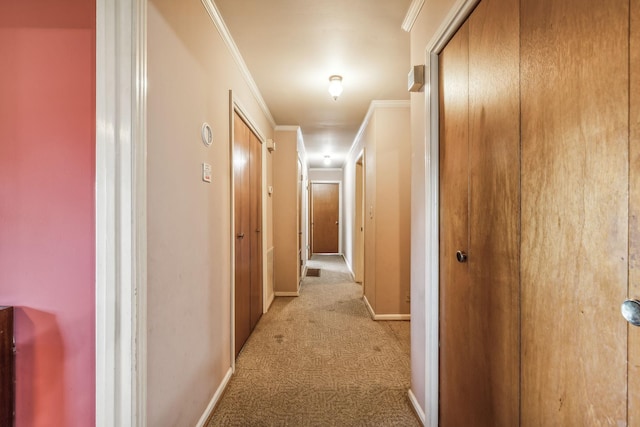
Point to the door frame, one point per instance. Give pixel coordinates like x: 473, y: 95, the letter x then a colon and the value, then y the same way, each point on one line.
x: 235, y: 106
x: 319, y: 181
x: 121, y: 213
x: 454, y: 20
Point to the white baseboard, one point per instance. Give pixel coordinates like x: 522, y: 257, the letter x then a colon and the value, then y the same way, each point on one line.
x: 287, y: 294
x: 416, y: 407
x: 353, y: 275
x: 371, y: 312
x: 214, y: 400
x: 375, y: 316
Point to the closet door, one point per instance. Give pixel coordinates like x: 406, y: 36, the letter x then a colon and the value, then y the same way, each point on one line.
x: 634, y: 206
x: 575, y: 212
x: 242, y: 216
x: 494, y: 206
x: 479, y: 187
x: 255, y: 204
x: 459, y: 378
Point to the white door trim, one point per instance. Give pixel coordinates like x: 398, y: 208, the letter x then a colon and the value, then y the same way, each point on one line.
x: 454, y: 19
x: 120, y: 213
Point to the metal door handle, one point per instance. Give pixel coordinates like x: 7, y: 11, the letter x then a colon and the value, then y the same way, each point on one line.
x: 461, y: 256
x: 631, y: 311
x: 336, y: 222
x: 240, y: 236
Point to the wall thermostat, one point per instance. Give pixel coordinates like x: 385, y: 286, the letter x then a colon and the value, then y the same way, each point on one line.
x: 207, y: 134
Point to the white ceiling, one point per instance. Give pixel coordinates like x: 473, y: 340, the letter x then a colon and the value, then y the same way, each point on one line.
x: 291, y: 47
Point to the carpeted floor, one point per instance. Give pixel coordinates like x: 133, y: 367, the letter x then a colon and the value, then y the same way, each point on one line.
x: 319, y: 360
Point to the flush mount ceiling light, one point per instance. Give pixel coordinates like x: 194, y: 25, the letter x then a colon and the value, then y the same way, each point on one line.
x: 335, y: 86
x: 327, y: 158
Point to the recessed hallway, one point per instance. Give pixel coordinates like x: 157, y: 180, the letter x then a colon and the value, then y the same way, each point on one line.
x: 319, y: 360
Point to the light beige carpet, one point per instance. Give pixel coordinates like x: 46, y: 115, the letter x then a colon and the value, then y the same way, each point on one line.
x: 319, y: 360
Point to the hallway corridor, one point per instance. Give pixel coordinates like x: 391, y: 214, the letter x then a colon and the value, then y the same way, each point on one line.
x: 319, y: 360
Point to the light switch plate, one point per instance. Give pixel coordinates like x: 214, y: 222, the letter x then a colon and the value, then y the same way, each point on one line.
x: 206, y: 172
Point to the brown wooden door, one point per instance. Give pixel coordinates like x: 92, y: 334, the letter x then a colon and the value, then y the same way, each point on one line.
x: 579, y: 187
x: 255, y: 203
x: 242, y: 214
x: 325, y: 216
x: 247, y: 169
x: 299, y: 218
x: 575, y: 213
x: 457, y: 371
x: 479, y: 187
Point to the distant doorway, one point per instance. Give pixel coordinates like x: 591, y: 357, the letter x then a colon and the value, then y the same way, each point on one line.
x: 325, y: 217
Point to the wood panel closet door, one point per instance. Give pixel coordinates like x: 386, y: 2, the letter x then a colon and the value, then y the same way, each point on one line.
x: 247, y: 169
x: 479, y: 187
x: 255, y: 203
x: 633, y: 363
x: 459, y: 378
x: 575, y: 211
x: 494, y: 206
x: 242, y: 215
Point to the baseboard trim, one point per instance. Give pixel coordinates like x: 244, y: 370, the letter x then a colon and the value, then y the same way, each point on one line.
x: 202, y: 422
x: 353, y: 275
x: 371, y: 312
x: 416, y: 407
x: 375, y: 316
x: 392, y: 317
x: 287, y: 294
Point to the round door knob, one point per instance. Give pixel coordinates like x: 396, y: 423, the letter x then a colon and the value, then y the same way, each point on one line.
x: 461, y: 256
x: 631, y: 311
x: 240, y: 236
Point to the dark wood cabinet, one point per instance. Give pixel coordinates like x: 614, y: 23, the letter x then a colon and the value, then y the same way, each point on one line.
x: 7, y: 370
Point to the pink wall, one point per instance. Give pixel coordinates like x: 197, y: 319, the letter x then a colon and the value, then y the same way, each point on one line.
x: 47, y: 173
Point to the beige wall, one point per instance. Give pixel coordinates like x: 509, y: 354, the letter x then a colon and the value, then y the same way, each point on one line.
x: 190, y: 73
x: 385, y: 139
x: 329, y: 174
x: 430, y: 18
x: 393, y: 211
x: 285, y: 211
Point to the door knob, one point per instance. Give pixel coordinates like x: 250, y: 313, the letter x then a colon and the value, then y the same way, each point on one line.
x: 461, y: 256
x: 240, y: 236
x: 631, y: 311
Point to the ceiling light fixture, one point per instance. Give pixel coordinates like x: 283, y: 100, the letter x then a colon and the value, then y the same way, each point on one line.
x: 327, y: 160
x: 335, y: 86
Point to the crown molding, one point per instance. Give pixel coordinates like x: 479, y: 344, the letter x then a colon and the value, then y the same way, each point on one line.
x: 217, y: 20
x: 412, y: 14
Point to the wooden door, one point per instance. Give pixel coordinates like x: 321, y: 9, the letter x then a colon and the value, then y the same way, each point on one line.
x: 242, y: 217
x: 457, y: 373
x: 633, y: 351
x: 325, y: 217
x: 479, y: 160
x: 247, y: 170
x: 359, y: 222
x: 575, y: 213
x: 299, y: 218
x: 255, y: 203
